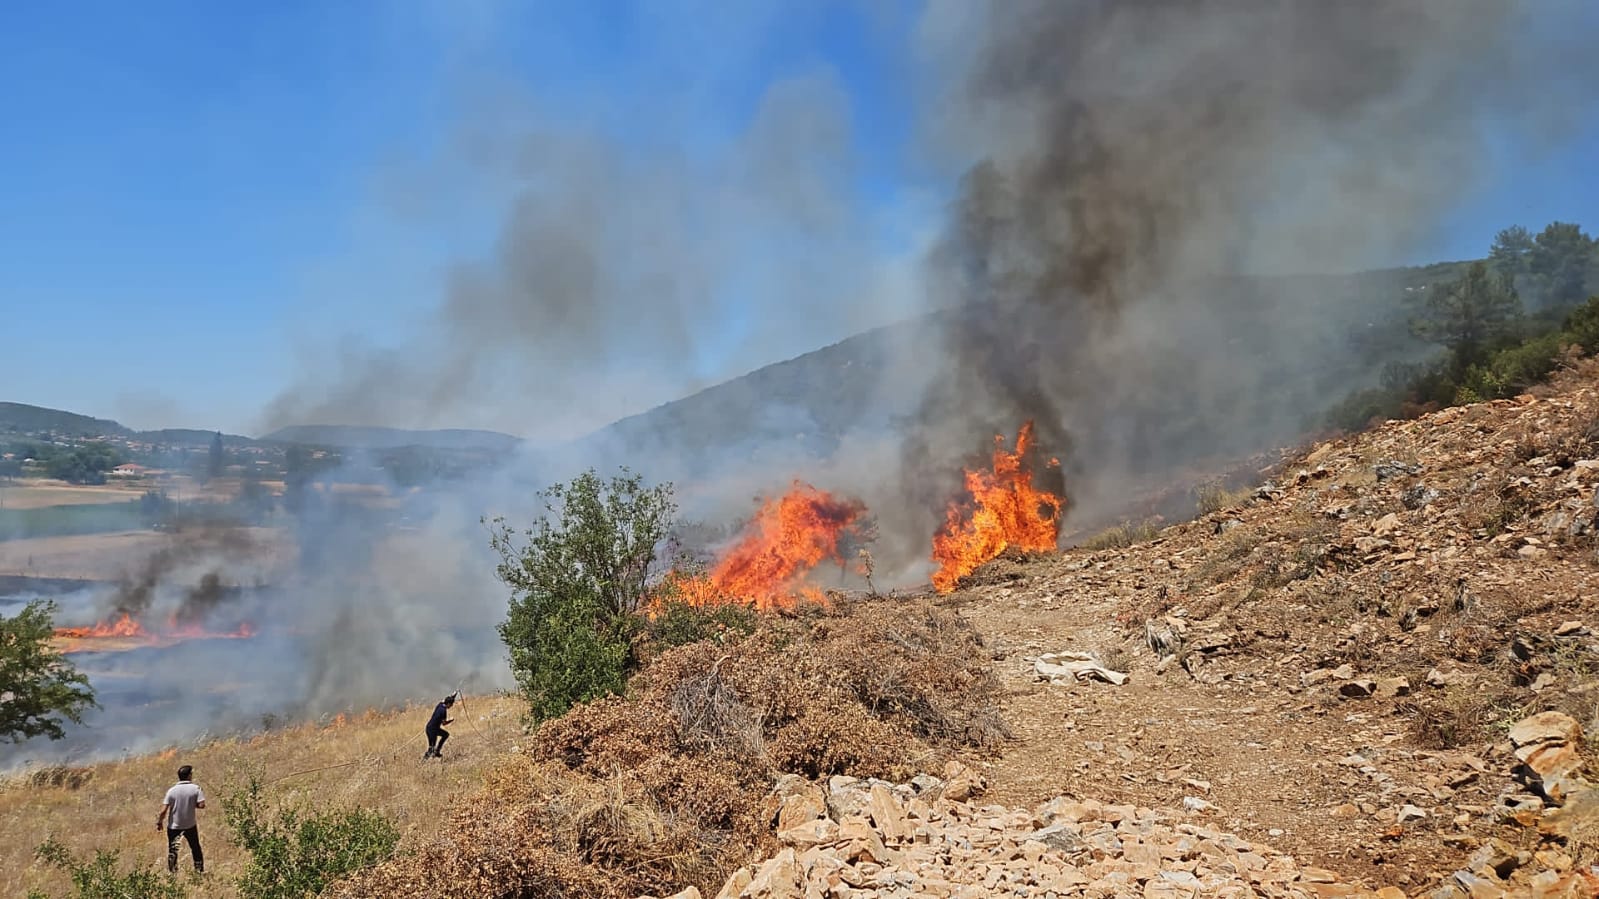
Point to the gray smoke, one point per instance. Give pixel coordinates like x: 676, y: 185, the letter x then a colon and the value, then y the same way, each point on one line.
x: 1139, y: 177
x: 1132, y: 160
x: 626, y: 274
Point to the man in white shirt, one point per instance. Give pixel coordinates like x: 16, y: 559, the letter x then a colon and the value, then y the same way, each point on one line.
x: 178, y: 812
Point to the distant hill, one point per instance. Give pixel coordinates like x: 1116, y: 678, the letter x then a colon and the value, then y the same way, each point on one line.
x: 868, y: 383
x: 360, y: 437
x: 20, y: 418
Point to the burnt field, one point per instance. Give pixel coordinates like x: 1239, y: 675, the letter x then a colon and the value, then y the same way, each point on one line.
x: 252, y: 659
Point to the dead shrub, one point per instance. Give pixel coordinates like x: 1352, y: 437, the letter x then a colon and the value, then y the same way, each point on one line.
x: 846, y: 739
x: 605, y: 735
x: 621, y: 797
x: 60, y: 777
x: 1462, y: 717
x: 711, y: 717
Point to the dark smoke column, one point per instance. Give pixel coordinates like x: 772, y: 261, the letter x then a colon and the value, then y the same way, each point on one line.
x: 1136, y: 166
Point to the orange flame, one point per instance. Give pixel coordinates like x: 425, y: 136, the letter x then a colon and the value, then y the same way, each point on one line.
x: 788, y: 537
x: 125, y: 631
x: 124, y: 626
x: 1005, y: 510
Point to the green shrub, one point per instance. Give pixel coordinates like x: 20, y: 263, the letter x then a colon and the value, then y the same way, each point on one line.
x: 1528, y: 363
x: 300, y: 852
x: 1582, y: 326
x: 101, y: 879
x: 577, y: 584
x: 680, y: 623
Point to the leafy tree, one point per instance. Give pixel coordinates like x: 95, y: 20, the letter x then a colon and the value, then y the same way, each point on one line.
x: 85, y: 464
x: 1511, y: 252
x: 1470, y: 316
x: 39, y: 685
x: 576, y: 585
x: 299, y: 852
x: 213, y: 468
x: 1559, y: 263
x: 102, y: 879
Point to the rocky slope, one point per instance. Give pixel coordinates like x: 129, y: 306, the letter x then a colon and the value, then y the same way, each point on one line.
x: 1367, y: 662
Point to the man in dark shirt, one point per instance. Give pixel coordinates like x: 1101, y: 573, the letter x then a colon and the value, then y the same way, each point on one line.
x: 436, y: 732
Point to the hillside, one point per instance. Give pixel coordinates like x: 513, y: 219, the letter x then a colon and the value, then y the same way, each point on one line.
x: 360, y: 437
x: 1332, y: 679
x: 371, y: 759
x: 20, y: 418
x: 1313, y: 339
x: 871, y: 383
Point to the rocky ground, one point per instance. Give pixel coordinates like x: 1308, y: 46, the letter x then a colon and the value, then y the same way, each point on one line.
x: 1332, y: 663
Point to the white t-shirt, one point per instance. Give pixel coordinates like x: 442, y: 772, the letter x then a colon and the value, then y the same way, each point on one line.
x: 182, y: 798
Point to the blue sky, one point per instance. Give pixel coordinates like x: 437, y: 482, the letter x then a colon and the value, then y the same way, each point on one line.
x: 195, y: 196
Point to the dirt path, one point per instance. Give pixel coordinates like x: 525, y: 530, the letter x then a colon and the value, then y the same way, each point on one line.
x: 1309, y: 775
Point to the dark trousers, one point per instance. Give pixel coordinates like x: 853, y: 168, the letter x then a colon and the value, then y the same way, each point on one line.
x: 192, y: 834
x: 436, y: 735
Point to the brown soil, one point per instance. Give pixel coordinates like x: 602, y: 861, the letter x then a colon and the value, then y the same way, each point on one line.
x: 1460, y: 543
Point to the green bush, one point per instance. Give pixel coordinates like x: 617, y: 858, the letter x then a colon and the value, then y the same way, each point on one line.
x: 679, y: 623
x: 1582, y: 326
x: 102, y: 879
x: 1519, y: 367
x: 577, y: 584
x: 299, y: 852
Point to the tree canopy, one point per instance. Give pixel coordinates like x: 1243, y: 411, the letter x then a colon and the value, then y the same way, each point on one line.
x: 39, y: 687
x: 1471, y: 315
x: 576, y: 583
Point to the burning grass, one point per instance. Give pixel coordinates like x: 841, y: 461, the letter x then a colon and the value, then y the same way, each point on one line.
x: 667, y: 787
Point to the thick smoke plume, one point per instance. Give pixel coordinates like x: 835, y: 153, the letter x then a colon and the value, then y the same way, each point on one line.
x: 1133, y: 160
x: 1140, y: 180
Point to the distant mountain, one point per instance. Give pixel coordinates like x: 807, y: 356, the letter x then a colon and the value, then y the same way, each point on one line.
x: 20, y: 418
x: 360, y: 437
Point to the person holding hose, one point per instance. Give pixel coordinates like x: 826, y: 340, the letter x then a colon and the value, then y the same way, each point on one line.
x: 435, y: 730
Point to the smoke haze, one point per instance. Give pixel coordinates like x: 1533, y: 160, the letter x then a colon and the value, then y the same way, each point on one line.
x: 1133, y: 177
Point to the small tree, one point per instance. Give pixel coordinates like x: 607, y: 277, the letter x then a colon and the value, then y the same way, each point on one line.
x: 1469, y: 316
x: 1559, y: 261
x: 38, y: 686
x: 297, y: 853
x: 1511, y: 252
x: 576, y: 584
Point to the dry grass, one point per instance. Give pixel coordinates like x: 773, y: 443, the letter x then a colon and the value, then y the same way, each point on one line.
x: 1214, y: 496
x: 378, y: 757
x: 1121, y: 536
x: 108, y: 557
x: 35, y: 495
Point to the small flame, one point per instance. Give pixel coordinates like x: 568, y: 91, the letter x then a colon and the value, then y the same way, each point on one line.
x: 125, y: 629
x: 1005, y: 510
x: 788, y: 537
